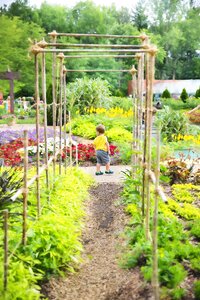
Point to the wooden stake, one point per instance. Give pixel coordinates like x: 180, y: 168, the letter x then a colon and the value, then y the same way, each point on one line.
x: 134, y: 93
x: 25, y: 188
x: 155, y: 278
x: 148, y: 150
x: 70, y: 140
x: 44, y: 96
x: 5, y: 227
x: 37, y: 96
x: 61, y: 57
x: 151, y: 63
x: 54, y: 37
x: 65, y: 115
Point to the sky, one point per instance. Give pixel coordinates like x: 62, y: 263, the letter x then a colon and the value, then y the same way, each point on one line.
x: 118, y: 3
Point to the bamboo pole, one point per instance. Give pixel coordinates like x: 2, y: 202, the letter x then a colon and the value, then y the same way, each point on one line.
x: 5, y: 227
x: 65, y: 115
x: 155, y: 279
x: 61, y: 57
x: 70, y: 140
x: 76, y: 155
x: 139, y: 97
x: 41, y: 50
x: 148, y: 150
x: 100, y: 70
x: 54, y: 37
x: 134, y: 89
x: 100, y: 56
x: 151, y: 63
x: 37, y: 96
x: 54, y: 33
x: 44, y: 96
x: 25, y: 188
x: 144, y: 175
x: 91, y: 45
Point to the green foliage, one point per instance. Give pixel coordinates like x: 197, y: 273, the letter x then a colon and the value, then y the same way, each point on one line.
x: 172, y: 123
x: 197, y: 290
x: 174, y: 247
x: 184, y: 95
x: 22, y: 282
x: 49, y: 108
x: 197, y: 94
x: 195, y: 229
x: 53, y: 241
x: 86, y: 93
x: 177, y: 104
x: 85, y: 126
x: 122, y: 102
x: 118, y: 134
x: 166, y: 94
x: 10, y: 182
x: 13, y: 52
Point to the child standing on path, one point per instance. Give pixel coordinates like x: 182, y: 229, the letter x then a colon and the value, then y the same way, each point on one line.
x: 102, y: 150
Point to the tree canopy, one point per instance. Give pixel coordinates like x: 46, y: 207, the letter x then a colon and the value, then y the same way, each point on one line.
x: 172, y: 25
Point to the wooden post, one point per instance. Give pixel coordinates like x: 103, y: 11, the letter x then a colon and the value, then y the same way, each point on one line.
x: 25, y: 188
x: 54, y: 38
x: 44, y: 97
x: 144, y: 177
x: 76, y: 155
x: 133, y: 72
x: 65, y: 115
x: 70, y: 140
x: 150, y: 65
x: 155, y: 278
x: 37, y: 96
x: 61, y: 57
x: 5, y: 227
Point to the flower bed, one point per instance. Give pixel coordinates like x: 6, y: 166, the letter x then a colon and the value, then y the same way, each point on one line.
x: 12, y: 153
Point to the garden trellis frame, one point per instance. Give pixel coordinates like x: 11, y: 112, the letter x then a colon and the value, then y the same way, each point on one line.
x: 145, y: 56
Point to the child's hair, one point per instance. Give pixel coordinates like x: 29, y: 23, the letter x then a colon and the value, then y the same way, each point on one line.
x: 100, y: 128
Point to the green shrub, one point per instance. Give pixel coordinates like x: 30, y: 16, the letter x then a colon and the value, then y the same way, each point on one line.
x: 118, y: 134
x: 184, y: 95
x: 172, y: 123
x: 197, y: 94
x: 122, y: 102
x: 177, y: 104
x: 22, y: 282
x: 85, y: 93
x: 166, y: 94
x: 195, y: 229
x: 197, y: 290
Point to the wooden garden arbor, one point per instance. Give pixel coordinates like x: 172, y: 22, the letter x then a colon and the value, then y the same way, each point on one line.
x: 144, y: 55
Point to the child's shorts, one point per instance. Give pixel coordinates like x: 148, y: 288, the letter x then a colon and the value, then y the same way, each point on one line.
x: 102, y: 157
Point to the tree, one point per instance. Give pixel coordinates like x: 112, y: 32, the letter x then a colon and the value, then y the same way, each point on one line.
x: 197, y: 94
x: 184, y: 95
x: 166, y: 94
x: 139, y: 18
x: 21, y: 9
x: 15, y: 43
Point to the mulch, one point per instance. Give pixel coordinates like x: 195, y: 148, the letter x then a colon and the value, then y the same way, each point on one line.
x: 100, y: 277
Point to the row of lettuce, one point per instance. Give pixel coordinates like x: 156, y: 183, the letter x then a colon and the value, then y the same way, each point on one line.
x: 53, y: 241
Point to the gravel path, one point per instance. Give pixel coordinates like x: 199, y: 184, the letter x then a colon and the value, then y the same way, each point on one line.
x: 117, y: 177
x: 100, y: 277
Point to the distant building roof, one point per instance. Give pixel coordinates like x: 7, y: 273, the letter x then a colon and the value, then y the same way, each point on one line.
x: 174, y: 86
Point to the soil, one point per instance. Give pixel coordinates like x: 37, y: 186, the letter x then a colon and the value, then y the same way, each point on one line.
x: 100, y: 277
